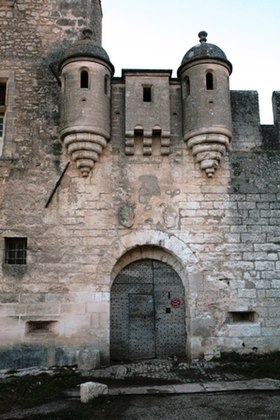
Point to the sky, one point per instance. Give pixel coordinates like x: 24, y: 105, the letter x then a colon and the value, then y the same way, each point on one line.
x: 156, y: 34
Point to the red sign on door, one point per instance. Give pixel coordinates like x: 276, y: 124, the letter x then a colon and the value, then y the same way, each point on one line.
x: 175, y: 302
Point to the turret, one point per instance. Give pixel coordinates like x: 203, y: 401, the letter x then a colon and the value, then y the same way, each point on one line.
x: 86, y: 73
x: 207, y: 127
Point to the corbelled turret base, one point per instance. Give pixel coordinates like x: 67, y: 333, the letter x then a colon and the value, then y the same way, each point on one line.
x: 85, y: 149
x: 208, y: 150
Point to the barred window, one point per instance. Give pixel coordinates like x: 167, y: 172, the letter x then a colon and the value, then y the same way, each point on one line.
x: 15, y: 250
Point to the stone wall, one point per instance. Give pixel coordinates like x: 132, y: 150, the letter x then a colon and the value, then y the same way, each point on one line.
x: 221, y: 235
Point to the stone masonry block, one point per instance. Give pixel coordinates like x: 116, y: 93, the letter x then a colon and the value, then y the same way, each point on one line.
x: 273, y: 293
x: 244, y: 330
x: 9, y: 298
x: 12, y: 309
x: 247, y: 205
x: 196, y: 282
x: 91, y: 390
x: 264, y: 265
x: 275, y: 284
x: 271, y: 331
x: 32, y: 298
x: 97, y: 307
x: 43, y: 309
x: 70, y: 308
x: 88, y: 360
x: 104, y: 320
x: 247, y: 293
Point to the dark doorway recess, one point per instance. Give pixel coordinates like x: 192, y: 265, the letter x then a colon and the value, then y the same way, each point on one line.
x: 147, y: 312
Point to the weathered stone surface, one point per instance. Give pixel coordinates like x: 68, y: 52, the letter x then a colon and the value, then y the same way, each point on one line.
x: 91, y: 390
x: 22, y: 356
x: 220, y: 235
x: 88, y: 360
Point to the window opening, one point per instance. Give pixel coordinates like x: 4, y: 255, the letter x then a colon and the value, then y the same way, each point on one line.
x: 147, y: 94
x: 3, y: 88
x: 106, y: 85
x: 37, y: 327
x: 15, y: 250
x: 209, y: 81
x: 84, y: 79
x: 187, y: 86
x: 2, y: 94
x: 1, y: 126
x: 242, y: 316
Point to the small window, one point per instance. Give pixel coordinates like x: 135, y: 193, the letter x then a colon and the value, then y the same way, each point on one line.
x: 106, y: 85
x: 209, y: 81
x: 41, y: 327
x: 1, y: 126
x: 237, y: 317
x: 84, y: 79
x: 147, y: 94
x: 15, y: 250
x: 187, y: 86
x: 2, y: 94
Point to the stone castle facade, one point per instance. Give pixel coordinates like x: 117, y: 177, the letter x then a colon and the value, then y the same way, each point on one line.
x: 139, y: 214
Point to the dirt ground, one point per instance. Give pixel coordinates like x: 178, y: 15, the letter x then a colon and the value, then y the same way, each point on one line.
x: 228, y: 406
x: 42, y: 396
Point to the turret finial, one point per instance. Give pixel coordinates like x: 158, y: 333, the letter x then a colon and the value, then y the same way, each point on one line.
x: 202, y: 36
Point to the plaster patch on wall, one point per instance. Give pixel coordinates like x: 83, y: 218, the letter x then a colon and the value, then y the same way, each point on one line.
x: 149, y: 188
x: 169, y: 215
x: 126, y: 215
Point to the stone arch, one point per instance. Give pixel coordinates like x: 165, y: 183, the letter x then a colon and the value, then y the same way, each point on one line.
x: 173, y: 251
x: 148, y: 252
x: 172, y: 247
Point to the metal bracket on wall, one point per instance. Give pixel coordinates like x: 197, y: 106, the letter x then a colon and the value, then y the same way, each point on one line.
x: 54, y: 73
x: 56, y: 185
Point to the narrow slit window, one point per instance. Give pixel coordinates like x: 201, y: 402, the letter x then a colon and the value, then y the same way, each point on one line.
x: 187, y: 86
x: 3, y: 89
x: 84, y: 79
x: 1, y: 126
x: 106, y: 85
x: 15, y: 250
x: 147, y: 94
x: 209, y: 81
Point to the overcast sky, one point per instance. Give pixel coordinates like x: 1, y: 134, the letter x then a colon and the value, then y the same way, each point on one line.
x: 155, y: 34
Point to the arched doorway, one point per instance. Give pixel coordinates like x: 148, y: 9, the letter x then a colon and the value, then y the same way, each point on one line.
x: 147, y: 312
